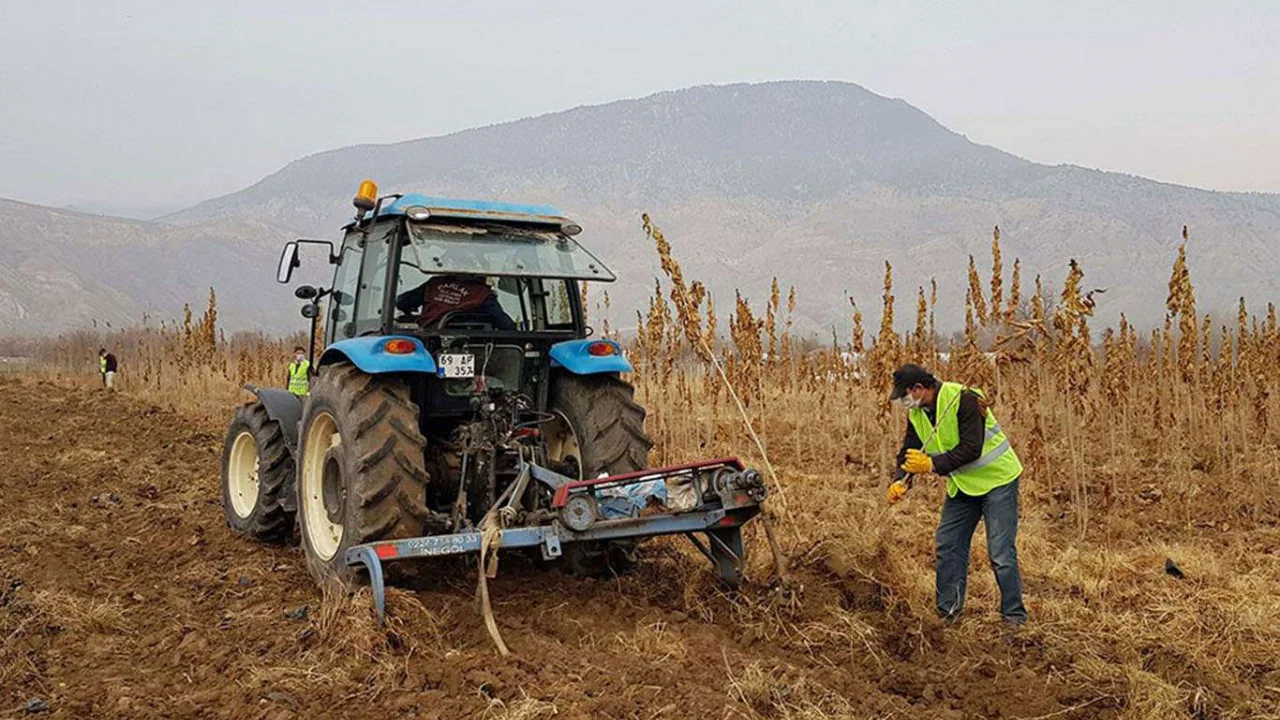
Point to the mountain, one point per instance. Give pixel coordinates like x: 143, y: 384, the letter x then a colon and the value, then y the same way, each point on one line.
x: 61, y: 270
x: 816, y: 183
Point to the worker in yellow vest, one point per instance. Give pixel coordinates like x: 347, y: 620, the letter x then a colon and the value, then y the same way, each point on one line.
x: 299, y: 373
x: 107, y: 367
x: 951, y: 432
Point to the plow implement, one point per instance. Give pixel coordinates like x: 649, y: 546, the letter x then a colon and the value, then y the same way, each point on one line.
x: 714, y: 499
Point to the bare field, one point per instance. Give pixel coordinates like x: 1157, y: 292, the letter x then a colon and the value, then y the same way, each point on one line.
x: 125, y: 596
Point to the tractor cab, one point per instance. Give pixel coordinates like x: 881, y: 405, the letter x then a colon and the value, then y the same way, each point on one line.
x: 486, y: 293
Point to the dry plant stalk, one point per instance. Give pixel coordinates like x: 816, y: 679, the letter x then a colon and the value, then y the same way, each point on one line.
x: 997, y: 275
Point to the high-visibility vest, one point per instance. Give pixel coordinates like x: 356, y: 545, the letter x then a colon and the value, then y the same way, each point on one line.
x: 298, y: 379
x: 102, y: 364
x: 997, y: 465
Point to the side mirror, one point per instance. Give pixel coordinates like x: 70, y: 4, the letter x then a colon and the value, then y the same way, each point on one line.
x: 288, y: 261
x: 306, y: 292
x: 310, y: 311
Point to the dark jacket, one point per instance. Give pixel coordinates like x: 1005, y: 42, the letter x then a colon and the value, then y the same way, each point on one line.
x: 111, y: 363
x: 972, y: 432
x: 444, y: 294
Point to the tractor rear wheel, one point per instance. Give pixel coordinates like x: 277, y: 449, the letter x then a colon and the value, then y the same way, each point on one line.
x: 256, y: 469
x: 599, y: 428
x: 362, y: 475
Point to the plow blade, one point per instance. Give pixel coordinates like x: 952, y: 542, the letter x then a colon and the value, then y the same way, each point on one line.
x: 714, y: 498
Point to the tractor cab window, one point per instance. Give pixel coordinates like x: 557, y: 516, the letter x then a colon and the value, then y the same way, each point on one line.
x: 520, y: 304
x: 373, y: 279
x: 559, y: 303
x: 346, y: 278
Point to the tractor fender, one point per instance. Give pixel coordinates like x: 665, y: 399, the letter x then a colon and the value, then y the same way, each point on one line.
x: 575, y: 356
x: 370, y: 355
x: 284, y: 408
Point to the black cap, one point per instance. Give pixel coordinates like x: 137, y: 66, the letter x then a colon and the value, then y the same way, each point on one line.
x: 909, y: 376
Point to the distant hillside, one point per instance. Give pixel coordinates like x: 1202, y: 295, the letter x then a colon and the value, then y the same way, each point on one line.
x: 61, y: 270
x: 817, y: 183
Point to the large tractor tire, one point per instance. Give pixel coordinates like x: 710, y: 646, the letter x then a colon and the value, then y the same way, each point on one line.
x: 256, y: 470
x: 362, y: 476
x: 599, y: 428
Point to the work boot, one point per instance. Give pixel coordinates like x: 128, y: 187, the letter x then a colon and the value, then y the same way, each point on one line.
x: 1011, y: 630
x: 1013, y: 623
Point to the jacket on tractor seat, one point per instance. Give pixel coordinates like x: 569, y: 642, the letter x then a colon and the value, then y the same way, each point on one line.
x: 444, y: 294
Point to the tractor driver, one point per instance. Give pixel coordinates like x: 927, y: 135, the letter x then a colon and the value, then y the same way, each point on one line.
x: 445, y: 294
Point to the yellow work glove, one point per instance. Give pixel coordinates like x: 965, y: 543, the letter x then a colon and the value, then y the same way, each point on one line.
x: 918, y: 463
x: 896, y: 491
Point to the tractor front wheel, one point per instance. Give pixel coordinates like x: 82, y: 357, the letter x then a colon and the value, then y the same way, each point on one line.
x: 599, y: 429
x: 362, y: 475
x: 256, y: 468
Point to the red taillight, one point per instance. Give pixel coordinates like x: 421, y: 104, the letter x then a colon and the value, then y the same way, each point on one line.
x: 385, y: 551
x: 400, y: 346
x: 602, y: 349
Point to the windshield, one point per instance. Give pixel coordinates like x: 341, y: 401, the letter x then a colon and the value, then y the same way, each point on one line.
x: 499, y: 251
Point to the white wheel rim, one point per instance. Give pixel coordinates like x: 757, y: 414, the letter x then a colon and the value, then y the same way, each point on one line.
x: 323, y: 535
x: 562, y: 441
x: 242, y: 474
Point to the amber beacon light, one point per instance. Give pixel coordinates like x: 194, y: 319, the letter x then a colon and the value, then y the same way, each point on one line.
x: 366, y: 197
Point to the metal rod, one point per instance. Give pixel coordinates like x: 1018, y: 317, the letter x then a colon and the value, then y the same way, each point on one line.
x: 723, y: 546
x: 311, y: 344
x: 460, y: 503
x: 701, y: 548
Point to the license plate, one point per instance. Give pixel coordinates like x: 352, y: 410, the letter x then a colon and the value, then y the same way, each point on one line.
x: 458, y: 365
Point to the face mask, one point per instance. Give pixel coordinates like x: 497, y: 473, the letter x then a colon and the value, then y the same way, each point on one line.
x: 908, y: 402
x: 299, y: 357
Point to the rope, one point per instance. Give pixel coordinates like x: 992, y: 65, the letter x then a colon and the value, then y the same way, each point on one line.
x: 499, y: 517
x: 490, y: 537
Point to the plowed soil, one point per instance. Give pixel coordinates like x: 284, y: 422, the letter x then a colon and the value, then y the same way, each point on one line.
x: 123, y: 594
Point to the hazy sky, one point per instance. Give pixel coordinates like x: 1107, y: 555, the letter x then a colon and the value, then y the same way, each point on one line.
x: 137, y: 105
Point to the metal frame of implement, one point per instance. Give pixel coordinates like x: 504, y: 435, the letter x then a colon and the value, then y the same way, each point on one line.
x: 726, y: 496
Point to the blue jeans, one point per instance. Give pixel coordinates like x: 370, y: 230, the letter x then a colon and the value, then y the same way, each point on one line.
x: 960, y: 515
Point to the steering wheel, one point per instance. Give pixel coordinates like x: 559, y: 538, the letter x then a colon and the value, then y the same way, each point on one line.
x: 466, y: 320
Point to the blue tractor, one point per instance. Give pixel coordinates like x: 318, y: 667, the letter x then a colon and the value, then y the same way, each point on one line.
x: 460, y: 391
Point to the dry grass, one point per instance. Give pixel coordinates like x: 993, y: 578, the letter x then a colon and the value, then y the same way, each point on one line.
x: 84, y: 614
x: 189, y: 364
x: 526, y: 708
x: 1136, y: 448
x: 1136, y: 451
